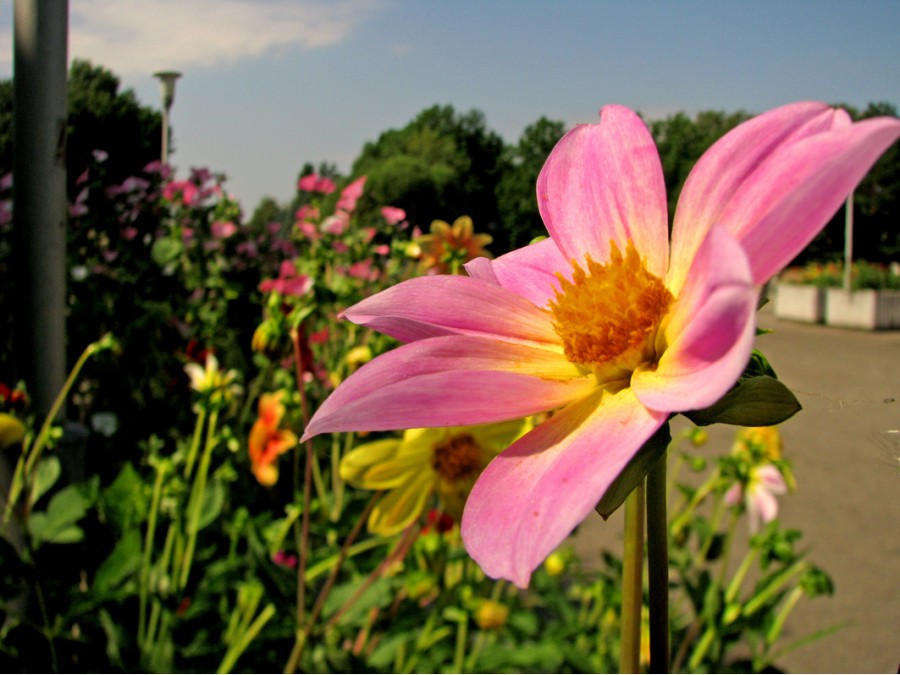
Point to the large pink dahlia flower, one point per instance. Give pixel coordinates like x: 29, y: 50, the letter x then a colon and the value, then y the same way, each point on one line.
x: 607, y: 323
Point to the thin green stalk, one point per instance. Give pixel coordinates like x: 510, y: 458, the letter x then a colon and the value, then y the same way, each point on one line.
x: 148, y: 548
x: 195, y: 443
x: 305, y: 631
x: 195, y: 503
x: 462, y: 634
x: 726, y: 547
x: 238, y: 648
x: 632, y: 584
x: 658, y: 567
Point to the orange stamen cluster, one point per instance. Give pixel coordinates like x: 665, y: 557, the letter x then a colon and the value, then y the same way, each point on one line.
x: 457, y: 458
x: 610, y: 313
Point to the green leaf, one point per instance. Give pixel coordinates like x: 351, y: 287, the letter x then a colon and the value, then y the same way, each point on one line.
x: 653, y: 451
x: 760, y: 401
x: 44, y: 478
x: 124, y: 502
x: 165, y: 251
x: 213, y: 501
x: 67, y: 507
x: 122, y: 562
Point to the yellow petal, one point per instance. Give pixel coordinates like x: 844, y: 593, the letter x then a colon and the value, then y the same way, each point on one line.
x: 398, y: 509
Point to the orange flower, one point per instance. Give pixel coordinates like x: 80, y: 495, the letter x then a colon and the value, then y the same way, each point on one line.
x: 267, y: 441
x: 448, y: 247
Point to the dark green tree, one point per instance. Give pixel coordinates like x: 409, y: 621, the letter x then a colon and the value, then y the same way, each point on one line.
x: 440, y: 165
x: 516, y: 195
x: 682, y: 141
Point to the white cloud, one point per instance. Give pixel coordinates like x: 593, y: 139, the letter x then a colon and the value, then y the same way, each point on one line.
x: 139, y: 36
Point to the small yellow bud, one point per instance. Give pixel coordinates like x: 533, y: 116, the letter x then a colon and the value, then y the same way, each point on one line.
x: 699, y: 437
x: 555, y: 564
x: 491, y: 614
x: 358, y: 356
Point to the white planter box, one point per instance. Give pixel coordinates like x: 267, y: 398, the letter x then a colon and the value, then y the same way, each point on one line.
x: 869, y: 309
x: 799, y: 302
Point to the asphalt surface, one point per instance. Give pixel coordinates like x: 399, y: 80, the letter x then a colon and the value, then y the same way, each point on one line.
x: 847, y: 504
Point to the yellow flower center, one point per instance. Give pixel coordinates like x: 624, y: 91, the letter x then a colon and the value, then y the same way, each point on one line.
x: 608, y: 315
x: 457, y: 458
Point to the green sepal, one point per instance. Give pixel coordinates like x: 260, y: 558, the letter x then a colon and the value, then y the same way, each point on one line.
x: 759, y: 401
x: 653, y: 451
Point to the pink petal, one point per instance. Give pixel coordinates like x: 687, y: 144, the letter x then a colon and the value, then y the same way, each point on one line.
x: 761, y: 503
x: 709, y: 334
x: 603, y: 183
x: 533, y: 495
x: 529, y: 271
x: 450, y: 381
x: 425, y: 307
x: 771, y: 479
x: 722, y: 170
x: 779, y: 210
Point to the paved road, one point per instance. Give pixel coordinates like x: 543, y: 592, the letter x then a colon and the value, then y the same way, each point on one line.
x: 848, y: 499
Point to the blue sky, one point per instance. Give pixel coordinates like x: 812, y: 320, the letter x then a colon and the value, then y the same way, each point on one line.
x: 271, y: 84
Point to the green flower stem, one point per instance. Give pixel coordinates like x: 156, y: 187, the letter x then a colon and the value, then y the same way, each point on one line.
x: 462, y: 634
x: 195, y: 442
x: 305, y: 631
x: 30, y: 456
x: 658, y: 567
x: 632, y: 582
x: 734, y: 585
x: 397, y: 555
x: 726, y: 546
x: 195, y: 503
x: 148, y: 549
x: 237, y: 648
x: 775, y: 629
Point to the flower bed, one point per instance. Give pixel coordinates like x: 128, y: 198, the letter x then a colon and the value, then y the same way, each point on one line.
x: 813, y: 294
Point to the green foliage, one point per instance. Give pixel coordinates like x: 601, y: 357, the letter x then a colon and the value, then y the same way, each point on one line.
x: 682, y: 141
x: 438, y: 163
x: 520, y: 220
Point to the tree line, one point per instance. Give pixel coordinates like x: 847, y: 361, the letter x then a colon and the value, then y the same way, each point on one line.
x: 445, y: 163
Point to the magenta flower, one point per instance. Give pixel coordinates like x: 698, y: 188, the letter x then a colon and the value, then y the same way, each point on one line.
x: 185, y: 189
x: 351, y: 194
x: 606, y: 324
x: 313, y: 182
x: 393, y: 215
x: 223, y: 229
x: 289, y: 282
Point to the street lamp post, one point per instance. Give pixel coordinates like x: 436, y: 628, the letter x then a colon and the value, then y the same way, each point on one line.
x: 167, y: 80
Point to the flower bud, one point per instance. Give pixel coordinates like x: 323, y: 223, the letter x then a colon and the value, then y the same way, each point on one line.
x: 491, y: 614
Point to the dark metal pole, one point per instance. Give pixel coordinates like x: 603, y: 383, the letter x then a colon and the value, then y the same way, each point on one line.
x: 39, y: 196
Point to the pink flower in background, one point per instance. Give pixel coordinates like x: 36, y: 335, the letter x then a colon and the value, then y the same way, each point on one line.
x: 383, y: 249
x: 100, y: 156
x: 248, y: 249
x: 183, y: 189
x: 363, y: 270
x: 129, y: 232
x: 309, y: 230
x: 315, y: 183
x: 393, y: 215
x: 336, y: 224
x: 759, y: 495
x: 222, y: 229
x: 351, y: 194
x: 608, y: 324
x: 289, y: 282
x: 306, y: 212
x: 369, y: 234
x: 340, y: 247
x: 6, y: 182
